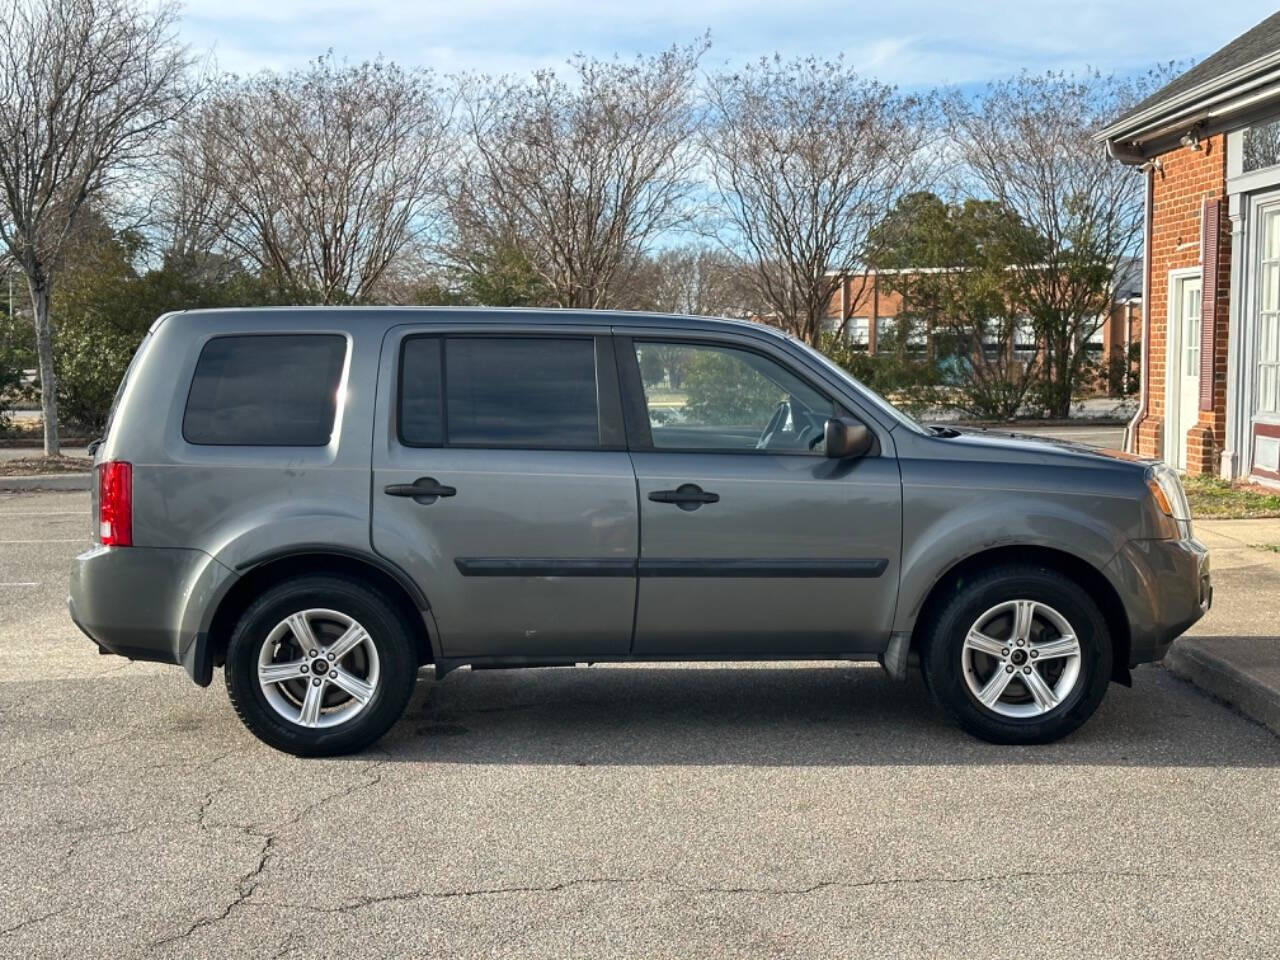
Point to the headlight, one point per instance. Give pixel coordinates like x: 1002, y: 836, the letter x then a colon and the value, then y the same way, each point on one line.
x: 1166, y: 489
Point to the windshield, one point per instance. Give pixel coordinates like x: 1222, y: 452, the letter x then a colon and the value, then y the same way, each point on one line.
x: 879, y: 402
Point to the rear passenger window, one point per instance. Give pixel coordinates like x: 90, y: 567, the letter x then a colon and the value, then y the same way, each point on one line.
x: 499, y: 392
x: 273, y: 390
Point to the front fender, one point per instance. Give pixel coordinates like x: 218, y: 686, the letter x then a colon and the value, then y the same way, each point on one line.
x: 945, y: 534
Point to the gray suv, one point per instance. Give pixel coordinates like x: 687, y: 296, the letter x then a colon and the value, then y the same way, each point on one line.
x: 323, y: 500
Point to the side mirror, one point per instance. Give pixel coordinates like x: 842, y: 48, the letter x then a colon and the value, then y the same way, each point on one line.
x: 847, y: 439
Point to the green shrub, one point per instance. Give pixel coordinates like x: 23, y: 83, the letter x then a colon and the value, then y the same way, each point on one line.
x: 914, y: 384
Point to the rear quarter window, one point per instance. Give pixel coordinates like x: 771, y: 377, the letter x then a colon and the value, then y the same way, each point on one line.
x: 265, y: 390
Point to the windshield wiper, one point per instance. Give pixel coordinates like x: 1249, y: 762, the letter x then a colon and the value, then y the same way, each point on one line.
x: 937, y: 430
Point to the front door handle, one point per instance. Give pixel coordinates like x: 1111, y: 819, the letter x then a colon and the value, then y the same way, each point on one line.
x: 687, y: 496
x: 423, y: 490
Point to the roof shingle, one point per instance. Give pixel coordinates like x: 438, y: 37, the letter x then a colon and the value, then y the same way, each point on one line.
x: 1244, y: 49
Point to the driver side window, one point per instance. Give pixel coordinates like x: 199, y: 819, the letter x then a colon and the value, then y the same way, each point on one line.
x: 706, y: 397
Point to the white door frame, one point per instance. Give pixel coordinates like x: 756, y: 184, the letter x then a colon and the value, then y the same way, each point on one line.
x: 1250, y: 196
x: 1173, y: 429
x: 1245, y: 300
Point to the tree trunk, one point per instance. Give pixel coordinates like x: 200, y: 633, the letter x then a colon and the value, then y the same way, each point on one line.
x: 1062, y: 381
x: 39, y: 290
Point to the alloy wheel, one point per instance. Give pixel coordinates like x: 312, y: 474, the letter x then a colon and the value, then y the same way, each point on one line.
x: 318, y: 668
x: 1021, y: 659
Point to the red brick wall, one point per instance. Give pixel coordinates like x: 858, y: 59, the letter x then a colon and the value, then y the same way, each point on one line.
x: 1187, y: 179
x: 865, y: 295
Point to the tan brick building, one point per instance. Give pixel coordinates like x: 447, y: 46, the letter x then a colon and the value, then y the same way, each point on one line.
x: 1208, y: 145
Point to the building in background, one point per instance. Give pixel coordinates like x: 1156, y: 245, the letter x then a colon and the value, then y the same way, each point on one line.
x: 1208, y: 144
x: 866, y: 308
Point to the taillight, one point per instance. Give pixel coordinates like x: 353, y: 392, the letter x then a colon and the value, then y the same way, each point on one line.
x: 115, y: 503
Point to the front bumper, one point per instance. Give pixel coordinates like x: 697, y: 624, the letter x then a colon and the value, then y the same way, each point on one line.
x: 1166, y: 587
x: 148, y: 603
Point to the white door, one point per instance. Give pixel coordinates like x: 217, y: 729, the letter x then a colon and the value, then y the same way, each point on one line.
x: 1183, y: 391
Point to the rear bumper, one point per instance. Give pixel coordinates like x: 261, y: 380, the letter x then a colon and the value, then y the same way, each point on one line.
x: 148, y: 603
x: 1166, y: 587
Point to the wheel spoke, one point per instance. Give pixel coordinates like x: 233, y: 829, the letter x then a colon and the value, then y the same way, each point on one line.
x: 977, y: 640
x: 1067, y: 646
x: 1024, y: 612
x: 360, y: 690
x: 991, y: 690
x: 309, y: 715
x: 352, y: 638
x: 279, y: 672
x: 300, y: 627
x: 1044, y: 696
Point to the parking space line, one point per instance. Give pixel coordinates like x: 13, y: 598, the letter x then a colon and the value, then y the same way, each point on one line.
x: 27, y: 583
x: 47, y: 513
x: 66, y: 540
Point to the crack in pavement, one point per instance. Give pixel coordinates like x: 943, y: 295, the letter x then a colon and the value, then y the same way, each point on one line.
x: 32, y: 920
x: 250, y: 881
x: 361, y: 903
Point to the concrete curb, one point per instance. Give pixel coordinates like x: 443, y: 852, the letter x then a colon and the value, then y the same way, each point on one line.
x: 1242, y: 672
x: 48, y: 481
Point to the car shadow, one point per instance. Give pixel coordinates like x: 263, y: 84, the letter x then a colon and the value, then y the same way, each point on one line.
x: 774, y: 715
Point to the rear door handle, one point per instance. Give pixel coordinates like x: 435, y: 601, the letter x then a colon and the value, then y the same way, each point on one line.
x: 423, y: 490
x: 687, y: 496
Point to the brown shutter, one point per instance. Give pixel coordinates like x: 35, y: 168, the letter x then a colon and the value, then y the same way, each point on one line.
x: 1209, y: 240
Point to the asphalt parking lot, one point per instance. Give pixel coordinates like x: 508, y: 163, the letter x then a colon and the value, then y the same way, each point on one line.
x: 724, y: 810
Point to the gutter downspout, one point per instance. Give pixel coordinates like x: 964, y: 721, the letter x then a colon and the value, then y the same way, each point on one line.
x: 1131, y: 429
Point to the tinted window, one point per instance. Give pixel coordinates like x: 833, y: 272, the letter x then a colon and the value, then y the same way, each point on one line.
x: 265, y: 391
x: 421, y: 417
x: 521, y: 392
x: 702, y: 397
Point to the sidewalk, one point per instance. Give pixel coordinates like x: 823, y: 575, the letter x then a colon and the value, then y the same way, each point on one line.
x: 1234, y: 652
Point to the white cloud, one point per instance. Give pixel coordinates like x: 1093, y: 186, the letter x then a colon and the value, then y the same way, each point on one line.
x: 910, y: 42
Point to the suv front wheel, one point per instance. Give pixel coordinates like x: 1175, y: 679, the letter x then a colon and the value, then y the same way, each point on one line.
x: 320, y: 666
x: 1018, y: 654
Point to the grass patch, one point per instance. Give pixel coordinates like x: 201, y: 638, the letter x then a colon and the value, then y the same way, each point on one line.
x: 1213, y: 498
x: 35, y: 466
x: 1273, y: 547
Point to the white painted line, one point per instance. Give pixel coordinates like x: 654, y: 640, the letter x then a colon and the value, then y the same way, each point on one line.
x: 30, y: 583
x: 49, y: 513
x: 71, y: 540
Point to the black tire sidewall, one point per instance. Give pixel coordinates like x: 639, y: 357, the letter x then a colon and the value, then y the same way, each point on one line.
x: 386, y: 628
x: 943, y: 670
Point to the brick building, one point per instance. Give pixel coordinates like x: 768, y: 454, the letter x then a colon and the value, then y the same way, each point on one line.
x: 1208, y: 145
x: 867, y: 306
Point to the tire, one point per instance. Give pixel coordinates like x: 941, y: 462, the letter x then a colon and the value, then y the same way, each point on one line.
x: 962, y: 667
x: 320, y: 706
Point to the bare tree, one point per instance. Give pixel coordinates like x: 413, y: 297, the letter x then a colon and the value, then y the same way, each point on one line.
x: 1026, y: 143
x: 320, y: 177
x: 807, y: 156
x: 579, y: 175
x: 692, y: 280
x: 86, y: 86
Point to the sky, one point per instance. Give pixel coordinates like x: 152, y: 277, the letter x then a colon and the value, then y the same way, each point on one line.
x: 911, y: 43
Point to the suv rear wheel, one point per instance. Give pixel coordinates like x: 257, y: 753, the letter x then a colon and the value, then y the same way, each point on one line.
x: 320, y: 666
x: 1018, y: 654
